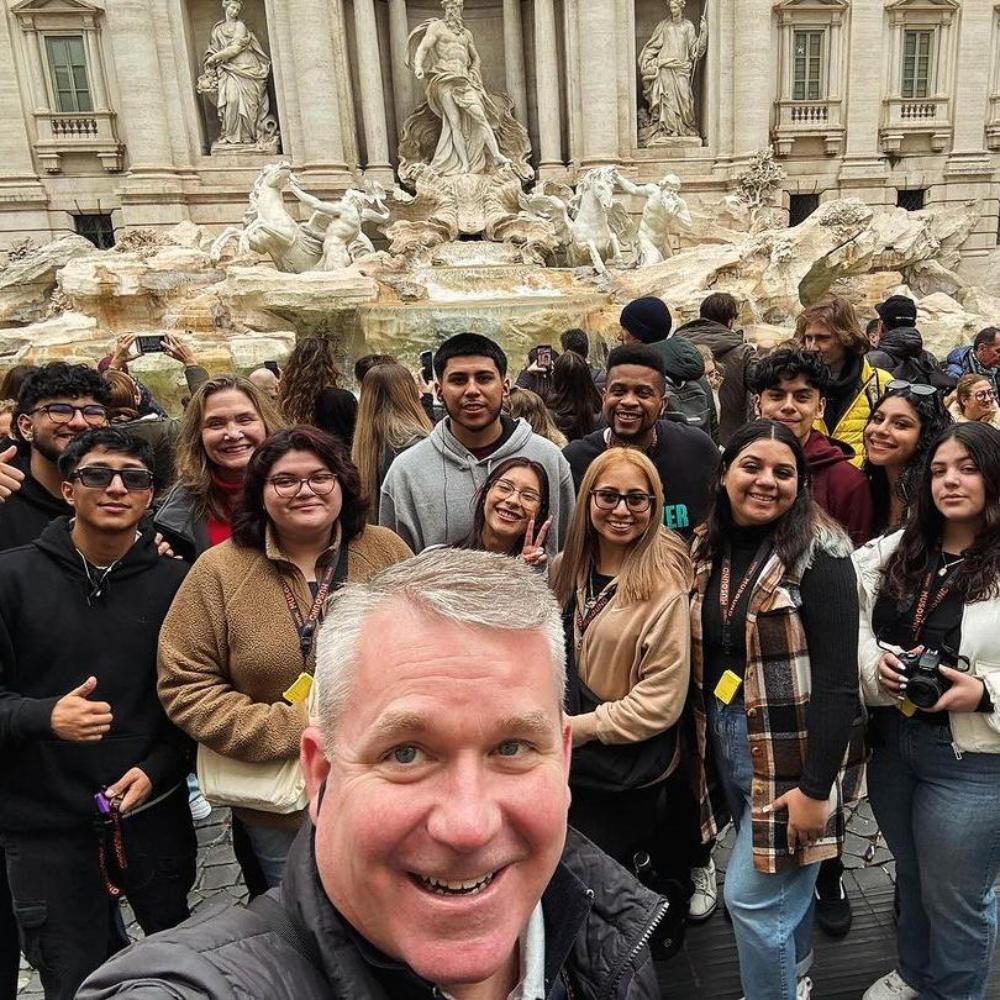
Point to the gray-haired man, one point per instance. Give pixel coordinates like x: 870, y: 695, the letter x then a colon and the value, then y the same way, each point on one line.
x: 437, y: 863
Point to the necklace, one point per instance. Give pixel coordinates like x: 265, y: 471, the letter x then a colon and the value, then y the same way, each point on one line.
x: 947, y: 564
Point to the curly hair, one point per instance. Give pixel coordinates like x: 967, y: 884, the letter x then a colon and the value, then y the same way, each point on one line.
x: 59, y: 379
x: 250, y: 518
x: 311, y: 368
x: 978, y: 577
x: 786, y: 365
x: 839, y: 317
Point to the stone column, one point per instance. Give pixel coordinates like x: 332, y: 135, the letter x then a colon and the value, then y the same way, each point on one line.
x: 402, y: 75
x: 15, y: 148
x: 547, y: 86
x: 372, y: 100
x: 597, y: 71
x: 752, y: 96
x: 137, y: 69
x: 864, y: 168
x: 513, y: 50
x: 319, y: 103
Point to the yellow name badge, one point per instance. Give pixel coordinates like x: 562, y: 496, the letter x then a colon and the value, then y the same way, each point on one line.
x: 728, y: 687
x: 299, y: 690
x: 906, y: 707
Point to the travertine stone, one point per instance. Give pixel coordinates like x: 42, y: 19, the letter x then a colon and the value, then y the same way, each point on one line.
x: 402, y: 80
x: 597, y: 27
x: 26, y: 285
x: 370, y: 75
x: 547, y: 85
x: 513, y: 51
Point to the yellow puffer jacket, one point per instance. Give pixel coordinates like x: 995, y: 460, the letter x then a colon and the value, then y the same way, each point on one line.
x: 852, y: 424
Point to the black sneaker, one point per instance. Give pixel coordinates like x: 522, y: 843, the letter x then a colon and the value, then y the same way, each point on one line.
x: 833, y: 909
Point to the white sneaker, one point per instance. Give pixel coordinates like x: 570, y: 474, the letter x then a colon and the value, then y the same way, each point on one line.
x: 200, y: 807
x: 706, y: 893
x: 890, y: 987
x: 804, y: 989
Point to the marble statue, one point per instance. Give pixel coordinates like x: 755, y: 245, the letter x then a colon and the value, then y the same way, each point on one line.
x: 590, y: 226
x: 236, y: 72
x: 331, y: 237
x: 667, y: 64
x: 461, y: 128
x: 663, y: 211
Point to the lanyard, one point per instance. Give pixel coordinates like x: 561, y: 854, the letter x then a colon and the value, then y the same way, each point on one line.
x: 305, y: 626
x: 583, y: 619
x: 926, y: 607
x: 727, y: 602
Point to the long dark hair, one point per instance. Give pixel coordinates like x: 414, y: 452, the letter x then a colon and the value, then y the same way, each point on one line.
x: 793, y: 532
x: 978, y: 577
x: 475, y: 537
x: 311, y: 368
x: 934, y: 418
x: 250, y: 517
x: 575, y: 401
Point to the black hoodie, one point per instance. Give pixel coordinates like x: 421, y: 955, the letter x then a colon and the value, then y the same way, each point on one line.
x: 901, y: 352
x: 24, y: 516
x: 54, y: 634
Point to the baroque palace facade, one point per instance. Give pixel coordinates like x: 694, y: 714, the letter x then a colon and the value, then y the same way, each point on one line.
x: 149, y: 112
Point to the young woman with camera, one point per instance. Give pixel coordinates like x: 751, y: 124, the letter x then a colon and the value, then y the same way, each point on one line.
x: 775, y: 696
x: 933, y: 591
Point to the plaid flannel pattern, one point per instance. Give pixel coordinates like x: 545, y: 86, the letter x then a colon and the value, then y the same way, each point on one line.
x: 777, y: 687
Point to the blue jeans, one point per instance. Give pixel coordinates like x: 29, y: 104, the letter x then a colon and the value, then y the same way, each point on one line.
x: 772, y: 913
x: 941, y: 819
x: 270, y: 846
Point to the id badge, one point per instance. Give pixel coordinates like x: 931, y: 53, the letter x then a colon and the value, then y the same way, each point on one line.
x: 728, y: 687
x: 299, y: 690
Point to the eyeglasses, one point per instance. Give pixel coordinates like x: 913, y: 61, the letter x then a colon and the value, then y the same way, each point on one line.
x: 100, y: 477
x: 984, y: 395
x: 898, y: 385
x: 636, y: 501
x: 505, y: 489
x: 62, y: 413
x: 321, y: 483
x: 715, y: 376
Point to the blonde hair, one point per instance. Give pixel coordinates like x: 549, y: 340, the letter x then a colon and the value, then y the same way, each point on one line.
x: 389, y: 416
x: 840, y: 318
x: 529, y: 405
x: 194, y: 470
x: 963, y: 390
x: 125, y: 396
x: 659, y: 555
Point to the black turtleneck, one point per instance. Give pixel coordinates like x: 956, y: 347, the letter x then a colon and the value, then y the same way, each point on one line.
x: 829, y: 600
x: 842, y: 390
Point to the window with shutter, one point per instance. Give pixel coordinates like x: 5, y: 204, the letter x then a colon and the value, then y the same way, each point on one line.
x: 68, y: 69
x: 918, y: 49
x: 807, y: 70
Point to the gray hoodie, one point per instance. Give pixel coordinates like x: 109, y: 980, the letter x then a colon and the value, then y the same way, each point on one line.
x: 429, y: 494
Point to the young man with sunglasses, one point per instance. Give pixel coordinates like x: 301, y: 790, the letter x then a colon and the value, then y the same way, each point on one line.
x: 92, y: 774
x: 57, y: 403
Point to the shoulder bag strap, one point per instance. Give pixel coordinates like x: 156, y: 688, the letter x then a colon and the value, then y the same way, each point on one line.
x: 277, y: 919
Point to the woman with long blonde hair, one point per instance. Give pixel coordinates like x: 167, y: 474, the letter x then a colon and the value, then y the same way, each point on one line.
x: 623, y: 582
x: 310, y: 393
x: 390, y: 420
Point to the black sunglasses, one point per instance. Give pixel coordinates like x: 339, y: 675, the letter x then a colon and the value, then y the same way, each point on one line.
x: 898, y: 385
x: 99, y: 477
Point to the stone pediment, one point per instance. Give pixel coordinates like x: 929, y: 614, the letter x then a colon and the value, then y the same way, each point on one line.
x: 818, y: 5
x: 65, y: 11
x: 926, y: 5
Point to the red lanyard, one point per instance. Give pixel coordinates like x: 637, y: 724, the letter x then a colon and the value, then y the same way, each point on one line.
x: 926, y: 607
x: 111, y: 827
x: 306, y: 626
x: 583, y: 620
x: 728, y: 606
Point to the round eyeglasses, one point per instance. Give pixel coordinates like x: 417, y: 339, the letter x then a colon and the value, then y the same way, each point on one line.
x: 321, y: 483
x: 505, y: 489
x: 62, y: 413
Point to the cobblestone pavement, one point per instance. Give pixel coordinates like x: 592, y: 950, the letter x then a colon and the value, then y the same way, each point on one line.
x: 707, y: 968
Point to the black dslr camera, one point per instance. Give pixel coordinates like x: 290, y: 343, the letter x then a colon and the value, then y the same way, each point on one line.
x: 924, y: 681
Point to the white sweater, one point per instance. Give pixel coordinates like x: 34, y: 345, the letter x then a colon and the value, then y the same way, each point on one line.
x: 972, y: 732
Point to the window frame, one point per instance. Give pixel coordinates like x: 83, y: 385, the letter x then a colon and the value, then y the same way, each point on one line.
x: 821, y: 60
x: 52, y: 41
x: 930, y: 81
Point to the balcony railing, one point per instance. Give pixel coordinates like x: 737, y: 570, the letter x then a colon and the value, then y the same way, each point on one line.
x: 922, y: 116
x: 801, y: 119
x: 91, y: 132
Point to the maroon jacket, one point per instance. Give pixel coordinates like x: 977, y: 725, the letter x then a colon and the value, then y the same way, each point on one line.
x: 839, y: 488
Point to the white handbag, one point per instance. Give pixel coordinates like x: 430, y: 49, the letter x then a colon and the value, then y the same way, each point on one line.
x: 273, y: 787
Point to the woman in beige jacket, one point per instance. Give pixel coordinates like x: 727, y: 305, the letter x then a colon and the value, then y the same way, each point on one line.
x: 232, y: 646
x: 623, y: 581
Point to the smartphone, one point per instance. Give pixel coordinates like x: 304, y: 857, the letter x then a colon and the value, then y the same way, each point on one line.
x: 427, y: 365
x: 543, y: 358
x: 152, y: 344
x: 272, y: 367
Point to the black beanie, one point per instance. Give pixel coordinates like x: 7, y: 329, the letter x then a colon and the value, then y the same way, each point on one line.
x: 647, y: 319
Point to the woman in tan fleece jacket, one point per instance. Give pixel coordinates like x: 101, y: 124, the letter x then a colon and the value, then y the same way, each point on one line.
x: 623, y: 580
x: 231, y: 645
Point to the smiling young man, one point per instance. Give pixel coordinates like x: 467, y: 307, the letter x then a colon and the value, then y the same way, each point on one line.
x: 438, y: 862
x: 80, y: 610
x: 790, y: 388
x: 634, y: 404
x: 428, y: 496
x: 57, y: 403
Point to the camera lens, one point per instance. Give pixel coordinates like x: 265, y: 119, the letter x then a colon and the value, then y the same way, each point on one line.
x: 924, y: 691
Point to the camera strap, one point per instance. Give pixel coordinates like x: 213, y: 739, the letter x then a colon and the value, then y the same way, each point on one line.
x: 926, y: 605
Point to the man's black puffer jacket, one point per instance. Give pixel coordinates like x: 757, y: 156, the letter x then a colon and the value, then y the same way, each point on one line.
x: 598, y: 920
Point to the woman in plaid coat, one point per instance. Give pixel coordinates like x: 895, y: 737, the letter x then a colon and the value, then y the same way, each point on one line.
x: 775, y: 693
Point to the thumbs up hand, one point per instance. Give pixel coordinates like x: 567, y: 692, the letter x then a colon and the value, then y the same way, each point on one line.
x: 76, y: 719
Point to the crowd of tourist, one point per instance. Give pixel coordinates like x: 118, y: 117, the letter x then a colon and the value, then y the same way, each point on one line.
x: 483, y: 670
